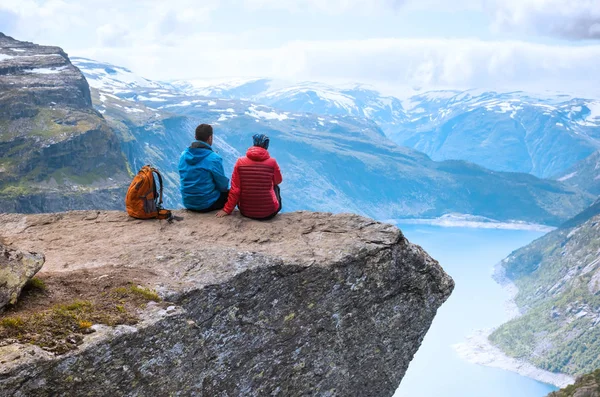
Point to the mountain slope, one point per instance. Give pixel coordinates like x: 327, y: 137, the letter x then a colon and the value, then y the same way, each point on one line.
x: 502, y: 131
x: 584, y: 175
x: 515, y: 132
x: 57, y: 152
x: 558, y: 277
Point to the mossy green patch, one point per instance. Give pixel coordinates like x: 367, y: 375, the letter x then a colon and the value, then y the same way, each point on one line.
x: 289, y: 317
x: 134, y: 290
x: 35, y: 284
x: 61, y: 327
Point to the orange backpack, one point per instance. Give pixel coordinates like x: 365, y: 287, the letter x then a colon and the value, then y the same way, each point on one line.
x: 143, y: 201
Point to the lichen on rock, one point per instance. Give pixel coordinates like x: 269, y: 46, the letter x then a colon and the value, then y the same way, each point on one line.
x: 306, y: 304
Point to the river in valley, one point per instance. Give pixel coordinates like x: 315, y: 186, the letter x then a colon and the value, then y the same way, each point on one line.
x: 478, y: 302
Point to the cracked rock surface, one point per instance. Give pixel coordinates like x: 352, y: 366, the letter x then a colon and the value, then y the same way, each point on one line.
x: 306, y: 304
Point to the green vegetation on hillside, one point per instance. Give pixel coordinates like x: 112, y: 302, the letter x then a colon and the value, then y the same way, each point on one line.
x: 560, y: 330
x: 585, y: 386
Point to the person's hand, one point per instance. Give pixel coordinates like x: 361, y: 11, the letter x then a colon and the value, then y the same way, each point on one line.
x: 221, y: 214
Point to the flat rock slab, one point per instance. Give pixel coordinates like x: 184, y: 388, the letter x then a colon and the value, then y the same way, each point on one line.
x: 305, y: 304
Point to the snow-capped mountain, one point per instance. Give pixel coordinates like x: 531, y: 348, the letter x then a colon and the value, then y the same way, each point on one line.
x: 516, y: 132
x: 503, y: 131
x: 234, y: 88
x: 306, y: 97
x: 111, y: 78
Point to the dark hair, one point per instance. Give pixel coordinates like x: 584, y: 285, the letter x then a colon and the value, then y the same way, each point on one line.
x: 203, y: 132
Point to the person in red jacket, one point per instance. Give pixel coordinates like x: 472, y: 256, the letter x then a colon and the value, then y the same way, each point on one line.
x: 255, y: 183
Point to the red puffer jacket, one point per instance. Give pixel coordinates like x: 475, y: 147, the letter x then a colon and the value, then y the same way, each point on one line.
x: 252, y: 183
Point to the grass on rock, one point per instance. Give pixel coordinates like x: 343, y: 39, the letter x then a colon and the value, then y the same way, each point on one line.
x: 61, y: 327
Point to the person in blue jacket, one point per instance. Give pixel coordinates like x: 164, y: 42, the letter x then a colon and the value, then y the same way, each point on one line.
x: 204, y: 186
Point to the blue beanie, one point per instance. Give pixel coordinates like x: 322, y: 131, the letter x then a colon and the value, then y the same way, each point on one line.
x: 261, y: 140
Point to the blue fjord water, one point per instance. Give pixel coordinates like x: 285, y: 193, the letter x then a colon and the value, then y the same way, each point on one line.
x: 477, y: 302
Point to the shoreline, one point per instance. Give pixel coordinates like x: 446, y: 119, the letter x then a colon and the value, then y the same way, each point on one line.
x: 473, y: 222
x: 477, y: 348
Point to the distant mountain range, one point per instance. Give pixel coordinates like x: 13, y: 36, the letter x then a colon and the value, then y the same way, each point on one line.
x: 339, y: 161
x: 335, y: 154
x: 513, y: 132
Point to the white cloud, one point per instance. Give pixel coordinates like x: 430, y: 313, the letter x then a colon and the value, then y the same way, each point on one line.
x: 385, y: 63
x: 569, y: 19
x: 329, y: 6
x: 178, y: 39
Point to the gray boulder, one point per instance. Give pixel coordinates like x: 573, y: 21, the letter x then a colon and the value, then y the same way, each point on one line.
x: 16, y: 268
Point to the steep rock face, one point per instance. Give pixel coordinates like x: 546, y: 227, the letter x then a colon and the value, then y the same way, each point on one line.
x: 16, y: 268
x: 558, y: 277
x: 56, y: 150
x: 307, y: 304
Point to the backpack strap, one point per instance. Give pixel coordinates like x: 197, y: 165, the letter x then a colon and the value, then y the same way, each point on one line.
x: 160, y: 182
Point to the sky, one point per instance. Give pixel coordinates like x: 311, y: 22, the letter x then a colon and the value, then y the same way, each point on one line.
x: 394, y: 45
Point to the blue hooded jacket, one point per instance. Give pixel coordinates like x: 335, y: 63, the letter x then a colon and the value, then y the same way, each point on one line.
x: 201, y: 176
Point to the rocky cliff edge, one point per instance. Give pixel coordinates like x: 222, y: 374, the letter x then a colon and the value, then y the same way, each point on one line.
x: 306, y: 304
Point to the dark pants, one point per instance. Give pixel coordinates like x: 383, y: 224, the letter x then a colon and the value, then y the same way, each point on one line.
x: 217, y: 205
x: 278, y: 194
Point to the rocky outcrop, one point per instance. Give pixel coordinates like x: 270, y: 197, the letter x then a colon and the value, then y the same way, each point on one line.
x: 53, y: 143
x: 16, y: 268
x: 585, y: 386
x: 306, y: 304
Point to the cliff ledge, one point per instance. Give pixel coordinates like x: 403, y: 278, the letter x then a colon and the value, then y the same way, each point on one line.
x: 307, y: 304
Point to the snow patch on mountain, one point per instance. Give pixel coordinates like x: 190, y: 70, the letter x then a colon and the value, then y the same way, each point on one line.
x: 111, y: 78
x: 254, y: 111
x: 567, y: 177
x: 594, y: 108
x: 56, y: 70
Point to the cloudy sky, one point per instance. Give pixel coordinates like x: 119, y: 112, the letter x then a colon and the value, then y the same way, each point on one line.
x: 534, y: 45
